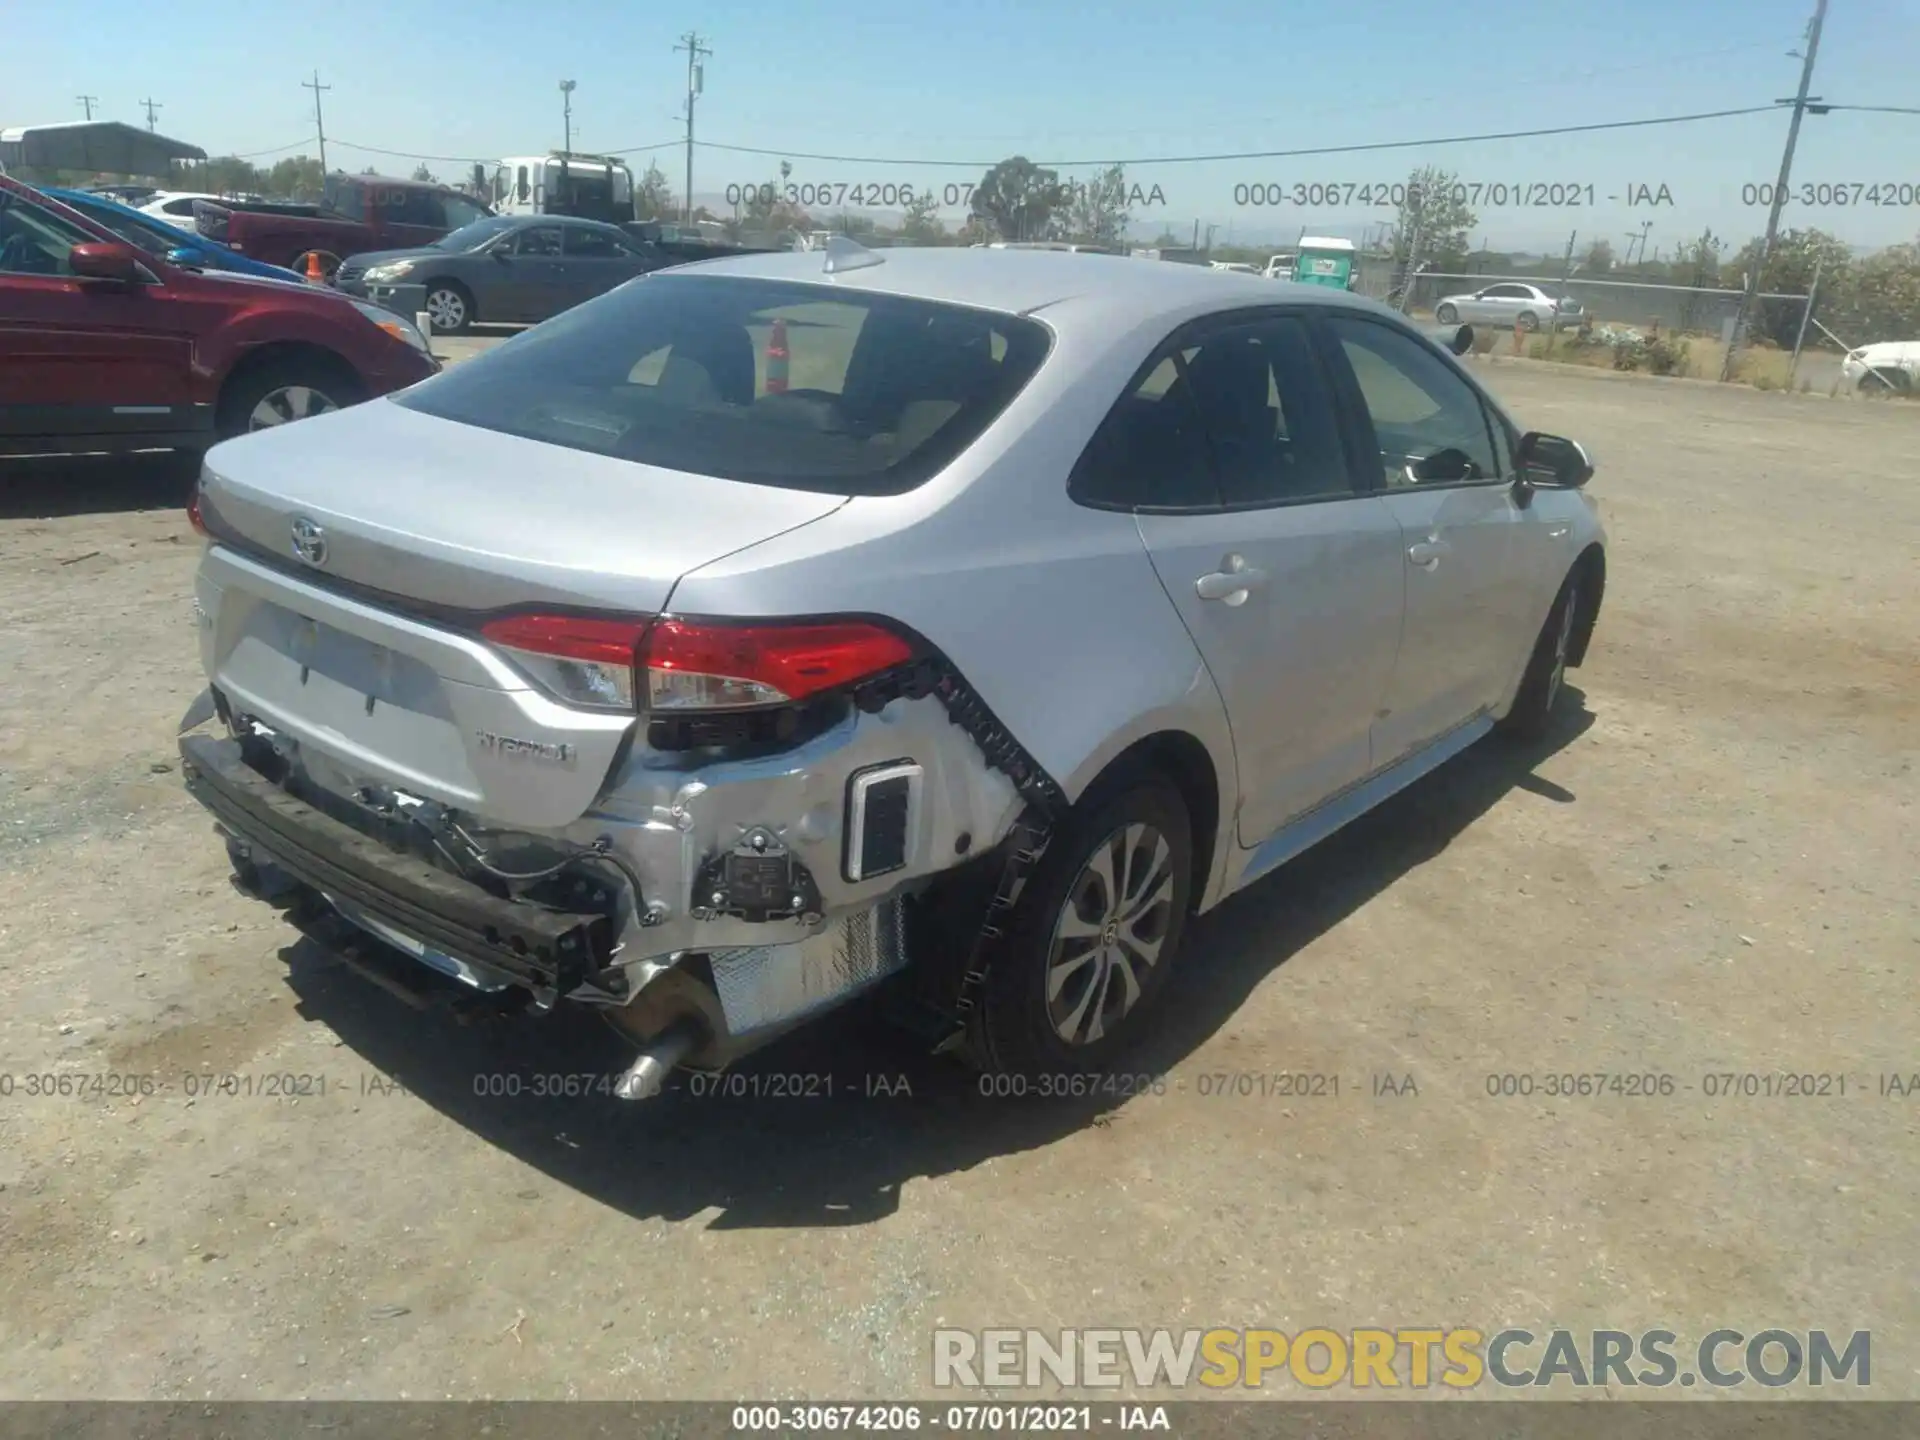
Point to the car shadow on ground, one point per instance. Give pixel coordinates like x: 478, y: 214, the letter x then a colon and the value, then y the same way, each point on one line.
x: 50, y: 487
x: 827, y: 1126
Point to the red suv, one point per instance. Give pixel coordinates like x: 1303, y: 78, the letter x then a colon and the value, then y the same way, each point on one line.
x: 105, y: 347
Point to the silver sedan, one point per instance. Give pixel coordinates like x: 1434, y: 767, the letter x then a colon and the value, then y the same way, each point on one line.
x: 1506, y: 305
x: 957, y: 622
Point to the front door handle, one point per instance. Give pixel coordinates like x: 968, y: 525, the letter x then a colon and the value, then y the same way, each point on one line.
x: 1232, y: 582
x: 1426, y: 553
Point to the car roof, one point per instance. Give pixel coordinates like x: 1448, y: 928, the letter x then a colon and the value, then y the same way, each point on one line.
x: 1019, y: 282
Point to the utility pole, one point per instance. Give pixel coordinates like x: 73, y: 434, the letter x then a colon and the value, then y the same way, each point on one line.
x: 566, y: 99
x: 151, y: 107
x: 1800, y: 108
x: 1566, y: 278
x: 319, y: 125
x: 696, y: 82
x: 88, y: 102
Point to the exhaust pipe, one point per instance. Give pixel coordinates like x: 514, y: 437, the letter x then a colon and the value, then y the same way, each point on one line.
x: 647, y: 1075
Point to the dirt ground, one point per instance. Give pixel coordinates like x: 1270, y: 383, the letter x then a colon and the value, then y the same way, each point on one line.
x: 1710, y: 870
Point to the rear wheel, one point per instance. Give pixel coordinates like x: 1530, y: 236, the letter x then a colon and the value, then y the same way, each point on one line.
x: 1094, y: 937
x: 282, y: 391
x: 450, y: 307
x: 1446, y: 315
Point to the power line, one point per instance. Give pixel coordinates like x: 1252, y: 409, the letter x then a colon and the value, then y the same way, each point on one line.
x: 1879, y: 109
x: 276, y: 150
x: 1267, y: 154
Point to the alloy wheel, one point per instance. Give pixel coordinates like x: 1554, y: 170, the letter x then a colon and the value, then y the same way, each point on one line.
x: 1110, y: 933
x: 448, y: 310
x: 1562, y: 647
x: 288, y: 403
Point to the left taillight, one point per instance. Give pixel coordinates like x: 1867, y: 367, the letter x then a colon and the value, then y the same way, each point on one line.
x: 586, y: 660
x: 684, y: 667
x: 194, y: 517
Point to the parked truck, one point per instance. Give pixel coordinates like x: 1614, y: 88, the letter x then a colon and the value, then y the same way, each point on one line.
x: 593, y: 187
x: 356, y: 213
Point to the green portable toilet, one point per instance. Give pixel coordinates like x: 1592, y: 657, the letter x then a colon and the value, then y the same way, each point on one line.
x: 1324, y: 260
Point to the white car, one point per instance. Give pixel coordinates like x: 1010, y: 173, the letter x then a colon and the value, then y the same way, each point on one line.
x: 1892, y: 365
x: 1508, y: 304
x: 1235, y: 268
x: 175, y: 207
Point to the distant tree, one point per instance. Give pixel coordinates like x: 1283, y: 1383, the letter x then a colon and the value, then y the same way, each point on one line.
x: 1599, y: 259
x: 370, y: 170
x: 977, y: 230
x: 1434, y: 214
x: 1789, y: 270
x: 1018, y: 198
x: 1096, y: 212
x: 653, y: 196
x: 922, y: 225
x: 424, y: 175
x: 767, y: 209
x: 1695, y: 264
x: 298, y: 177
x: 1167, y: 240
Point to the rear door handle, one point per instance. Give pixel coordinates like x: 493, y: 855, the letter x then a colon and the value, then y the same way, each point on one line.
x: 1232, y: 582
x: 1426, y: 553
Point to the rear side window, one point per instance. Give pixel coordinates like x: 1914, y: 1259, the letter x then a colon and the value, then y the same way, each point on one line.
x: 793, y: 385
x: 1243, y: 416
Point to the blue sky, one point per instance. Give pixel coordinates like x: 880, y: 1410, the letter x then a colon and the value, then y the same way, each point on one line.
x: 911, y: 80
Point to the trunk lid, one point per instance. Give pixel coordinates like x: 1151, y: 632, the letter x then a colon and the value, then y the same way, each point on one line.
x: 429, y: 523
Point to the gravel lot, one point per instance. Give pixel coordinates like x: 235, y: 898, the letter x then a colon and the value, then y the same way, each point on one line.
x: 1710, y: 870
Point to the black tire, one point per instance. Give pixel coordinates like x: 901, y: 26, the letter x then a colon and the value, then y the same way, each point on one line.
x: 451, y: 299
x: 1015, y: 1031
x: 1529, y: 321
x: 1446, y: 315
x: 1884, y: 382
x: 329, y: 385
x: 1531, y: 717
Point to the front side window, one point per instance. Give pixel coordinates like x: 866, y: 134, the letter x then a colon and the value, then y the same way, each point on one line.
x: 875, y: 394
x: 540, y: 243
x: 1427, y: 421
x: 35, y: 241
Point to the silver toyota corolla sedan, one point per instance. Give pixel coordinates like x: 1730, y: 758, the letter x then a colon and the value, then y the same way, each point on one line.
x: 952, y: 621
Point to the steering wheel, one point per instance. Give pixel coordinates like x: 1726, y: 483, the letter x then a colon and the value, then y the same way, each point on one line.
x: 21, y: 256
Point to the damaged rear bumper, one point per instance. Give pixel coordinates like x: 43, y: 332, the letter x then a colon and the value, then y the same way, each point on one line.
x: 706, y: 1007
x: 550, y: 952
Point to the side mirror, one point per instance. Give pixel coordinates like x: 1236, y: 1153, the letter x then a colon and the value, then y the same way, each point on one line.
x: 103, y: 261
x: 182, y: 255
x: 1553, y: 462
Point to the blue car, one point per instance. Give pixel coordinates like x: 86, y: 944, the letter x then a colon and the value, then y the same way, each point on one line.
x: 156, y: 237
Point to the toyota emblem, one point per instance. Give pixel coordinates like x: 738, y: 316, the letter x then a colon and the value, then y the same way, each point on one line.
x: 309, y: 541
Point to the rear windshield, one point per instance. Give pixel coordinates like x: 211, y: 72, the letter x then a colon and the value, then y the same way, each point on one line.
x: 874, y: 394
